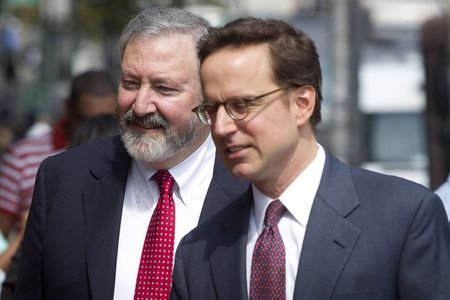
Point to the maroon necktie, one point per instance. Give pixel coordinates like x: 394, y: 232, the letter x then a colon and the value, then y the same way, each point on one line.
x: 155, y: 268
x: 268, y: 272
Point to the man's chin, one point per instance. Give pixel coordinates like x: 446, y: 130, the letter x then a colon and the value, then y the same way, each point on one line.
x: 141, y: 153
x: 146, y: 148
x: 240, y: 170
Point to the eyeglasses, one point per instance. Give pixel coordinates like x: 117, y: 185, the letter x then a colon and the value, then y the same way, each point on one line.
x: 236, y: 108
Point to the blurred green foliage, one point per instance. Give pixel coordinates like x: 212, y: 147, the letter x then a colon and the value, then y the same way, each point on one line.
x: 96, y: 18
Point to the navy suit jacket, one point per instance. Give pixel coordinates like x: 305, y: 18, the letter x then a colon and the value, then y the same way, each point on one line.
x: 369, y: 236
x: 71, y: 240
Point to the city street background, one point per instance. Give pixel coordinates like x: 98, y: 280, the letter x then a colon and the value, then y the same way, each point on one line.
x: 376, y: 108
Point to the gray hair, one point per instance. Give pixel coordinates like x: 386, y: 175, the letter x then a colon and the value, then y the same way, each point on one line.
x: 157, y: 21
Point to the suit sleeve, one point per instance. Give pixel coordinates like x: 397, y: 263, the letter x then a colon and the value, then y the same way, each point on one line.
x: 29, y: 280
x: 424, y: 271
x: 179, y: 283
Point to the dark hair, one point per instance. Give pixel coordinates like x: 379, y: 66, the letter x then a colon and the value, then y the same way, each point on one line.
x: 295, y: 60
x: 94, y: 128
x: 95, y: 82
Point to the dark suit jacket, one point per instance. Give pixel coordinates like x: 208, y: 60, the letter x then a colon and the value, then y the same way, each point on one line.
x: 369, y: 236
x: 70, y: 243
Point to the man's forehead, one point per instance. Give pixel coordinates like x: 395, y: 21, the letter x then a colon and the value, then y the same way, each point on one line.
x: 157, y: 55
x: 243, y: 62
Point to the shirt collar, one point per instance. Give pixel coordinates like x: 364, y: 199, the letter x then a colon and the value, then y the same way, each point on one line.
x: 189, y: 174
x: 299, y: 195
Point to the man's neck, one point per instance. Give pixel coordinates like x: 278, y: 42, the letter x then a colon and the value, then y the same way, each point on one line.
x: 275, y: 185
x: 182, y: 154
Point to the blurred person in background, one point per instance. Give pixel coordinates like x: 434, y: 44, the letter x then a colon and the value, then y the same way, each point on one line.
x: 106, y: 217
x: 92, y: 93
x: 95, y: 128
x: 89, y: 130
x: 6, y: 135
x: 39, y: 127
x: 9, y: 261
x: 6, y: 138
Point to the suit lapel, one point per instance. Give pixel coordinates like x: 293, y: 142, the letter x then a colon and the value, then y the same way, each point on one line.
x: 224, y: 188
x: 228, y: 259
x: 330, y: 237
x: 102, y: 203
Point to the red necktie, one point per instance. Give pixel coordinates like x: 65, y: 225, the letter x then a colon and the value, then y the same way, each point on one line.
x: 268, y: 271
x: 155, y: 268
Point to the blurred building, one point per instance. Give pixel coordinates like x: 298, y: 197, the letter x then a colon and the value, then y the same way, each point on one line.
x: 392, y: 95
x: 374, y: 98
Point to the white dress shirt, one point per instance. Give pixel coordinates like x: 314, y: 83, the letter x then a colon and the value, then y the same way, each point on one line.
x: 192, y: 180
x: 298, y: 199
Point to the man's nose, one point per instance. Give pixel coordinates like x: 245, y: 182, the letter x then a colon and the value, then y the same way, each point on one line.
x: 144, y: 102
x: 223, y: 124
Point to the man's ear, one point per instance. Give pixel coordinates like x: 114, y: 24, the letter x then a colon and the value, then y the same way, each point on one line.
x: 305, y: 100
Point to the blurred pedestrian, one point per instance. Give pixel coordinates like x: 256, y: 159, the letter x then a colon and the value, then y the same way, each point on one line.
x: 9, y: 262
x: 7, y: 134
x: 106, y: 216
x: 94, y: 128
x: 92, y: 92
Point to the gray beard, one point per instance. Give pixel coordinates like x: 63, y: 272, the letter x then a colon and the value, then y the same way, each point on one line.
x: 159, y: 146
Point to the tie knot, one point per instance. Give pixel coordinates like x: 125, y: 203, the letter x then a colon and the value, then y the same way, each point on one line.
x: 165, y: 182
x: 274, y: 212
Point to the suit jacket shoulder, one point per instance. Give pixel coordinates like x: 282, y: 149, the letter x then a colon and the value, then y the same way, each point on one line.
x: 369, y: 234
x: 223, y: 190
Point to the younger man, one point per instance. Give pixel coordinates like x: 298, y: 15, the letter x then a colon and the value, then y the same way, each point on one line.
x: 309, y: 227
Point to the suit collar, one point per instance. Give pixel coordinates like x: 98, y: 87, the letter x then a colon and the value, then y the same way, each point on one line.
x: 228, y: 260
x: 112, y: 161
x: 223, y: 189
x: 330, y: 237
x: 102, y: 203
x: 336, y: 187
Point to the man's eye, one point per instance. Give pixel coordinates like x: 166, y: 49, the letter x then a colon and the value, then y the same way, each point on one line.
x: 237, y: 105
x: 167, y: 91
x: 241, y: 103
x: 130, y: 85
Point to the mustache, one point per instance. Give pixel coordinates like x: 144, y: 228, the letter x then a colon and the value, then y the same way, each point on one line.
x: 152, y: 120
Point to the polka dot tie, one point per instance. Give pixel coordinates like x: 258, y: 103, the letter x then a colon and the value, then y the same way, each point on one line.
x: 155, y: 268
x: 268, y: 271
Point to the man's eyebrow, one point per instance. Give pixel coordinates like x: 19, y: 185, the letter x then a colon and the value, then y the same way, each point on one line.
x: 165, y: 80
x: 127, y: 74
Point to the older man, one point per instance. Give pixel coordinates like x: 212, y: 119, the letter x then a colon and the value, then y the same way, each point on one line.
x: 106, y: 217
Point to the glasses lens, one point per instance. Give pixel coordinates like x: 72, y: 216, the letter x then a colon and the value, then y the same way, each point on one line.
x: 237, y: 108
x: 204, y: 114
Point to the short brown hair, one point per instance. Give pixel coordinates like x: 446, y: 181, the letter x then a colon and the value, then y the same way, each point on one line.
x: 294, y: 55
